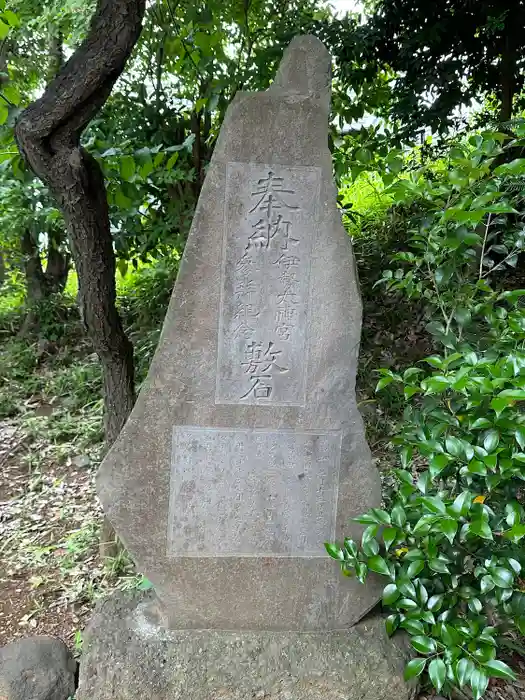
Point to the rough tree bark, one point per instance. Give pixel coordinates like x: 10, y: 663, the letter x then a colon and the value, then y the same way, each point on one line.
x: 48, y: 134
x: 41, y: 284
x: 35, y: 277
x: 508, y: 77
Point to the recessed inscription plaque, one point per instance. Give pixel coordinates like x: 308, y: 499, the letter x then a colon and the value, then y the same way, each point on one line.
x: 252, y: 492
x: 270, y: 224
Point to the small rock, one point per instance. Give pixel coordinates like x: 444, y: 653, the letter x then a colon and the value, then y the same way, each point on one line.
x: 36, y: 668
x: 81, y: 461
x: 44, y: 347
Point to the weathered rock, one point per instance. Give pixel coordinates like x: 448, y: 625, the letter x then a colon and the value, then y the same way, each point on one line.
x: 37, y: 668
x: 127, y: 656
x: 245, y: 450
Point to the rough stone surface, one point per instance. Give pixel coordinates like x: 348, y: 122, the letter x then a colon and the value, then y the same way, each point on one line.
x: 128, y: 657
x: 261, y: 339
x: 37, y: 668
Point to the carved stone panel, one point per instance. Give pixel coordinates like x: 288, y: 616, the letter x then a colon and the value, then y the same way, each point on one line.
x: 252, y: 492
x: 270, y: 222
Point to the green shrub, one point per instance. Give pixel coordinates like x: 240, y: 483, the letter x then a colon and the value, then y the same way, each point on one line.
x: 144, y: 296
x: 448, y: 542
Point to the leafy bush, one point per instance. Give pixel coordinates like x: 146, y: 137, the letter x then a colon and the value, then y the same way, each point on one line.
x: 144, y: 296
x: 448, y: 542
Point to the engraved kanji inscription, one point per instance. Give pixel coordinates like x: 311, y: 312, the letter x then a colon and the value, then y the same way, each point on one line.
x: 270, y: 492
x: 260, y: 364
x: 270, y: 224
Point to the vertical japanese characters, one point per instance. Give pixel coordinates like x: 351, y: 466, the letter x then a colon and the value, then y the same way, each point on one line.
x: 269, y: 241
x: 267, y: 268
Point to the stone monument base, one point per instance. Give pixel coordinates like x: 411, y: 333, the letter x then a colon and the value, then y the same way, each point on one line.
x: 128, y: 655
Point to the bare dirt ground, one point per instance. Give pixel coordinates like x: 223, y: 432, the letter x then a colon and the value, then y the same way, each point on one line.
x: 50, y: 570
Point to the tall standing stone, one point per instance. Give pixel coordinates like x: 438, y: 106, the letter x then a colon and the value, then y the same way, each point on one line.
x: 245, y: 450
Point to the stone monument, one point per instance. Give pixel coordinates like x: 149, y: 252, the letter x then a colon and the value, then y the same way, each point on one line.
x: 245, y: 451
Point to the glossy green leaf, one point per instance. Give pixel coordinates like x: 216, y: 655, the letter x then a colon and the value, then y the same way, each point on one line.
x: 464, y: 670
x: 515, y: 533
x: 424, y: 645
x: 127, y: 167
x: 413, y: 627
x: 11, y: 93
x: 423, y: 481
x: 477, y: 467
x: 351, y: 547
x: 435, y: 385
x: 487, y: 584
x: 383, y: 382
x: 390, y: 594
x: 481, y: 528
x: 414, y: 668
x: 361, y: 571
x: 435, y: 602
x: 461, y: 505
x: 415, y: 568
x: 439, y: 566
x: 334, y: 551
x: 172, y: 161
x: 454, y: 446
x: 481, y: 423
x: 406, y: 587
x: 449, y: 528
x: 514, y: 565
x: 11, y: 18
x: 438, y: 463
x: 381, y: 516
x: 491, y: 440
x: 389, y: 536
x: 391, y: 624
x: 378, y: 565
x: 369, y: 544
x: 398, y: 515
x: 437, y: 672
x: 434, y: 504
x: 503, y: 578
x: 475, y: 605
x: 448, y: 635
x: 519, y: 434
x: 479, y: 682
x: 498, y: 669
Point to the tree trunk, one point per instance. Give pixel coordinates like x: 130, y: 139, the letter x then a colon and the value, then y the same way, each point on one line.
x: 195, y: 125
x: 57, y: 266
x: 508, y: 76
x: 48, y: 134
x: 35, y: 278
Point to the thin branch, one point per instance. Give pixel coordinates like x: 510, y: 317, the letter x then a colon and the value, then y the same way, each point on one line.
x: 182, y: 41
x: 440, y: 302
x: 483, y: 246
x: 501, y: 263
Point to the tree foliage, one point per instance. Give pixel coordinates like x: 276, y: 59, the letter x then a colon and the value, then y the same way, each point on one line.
x: 439, y: 56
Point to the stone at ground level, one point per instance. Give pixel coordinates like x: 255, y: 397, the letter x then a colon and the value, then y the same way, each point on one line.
x: 129, y: 656
x: 37, y: 668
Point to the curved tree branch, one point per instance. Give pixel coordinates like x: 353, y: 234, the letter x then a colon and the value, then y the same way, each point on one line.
x: 48, y: 135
